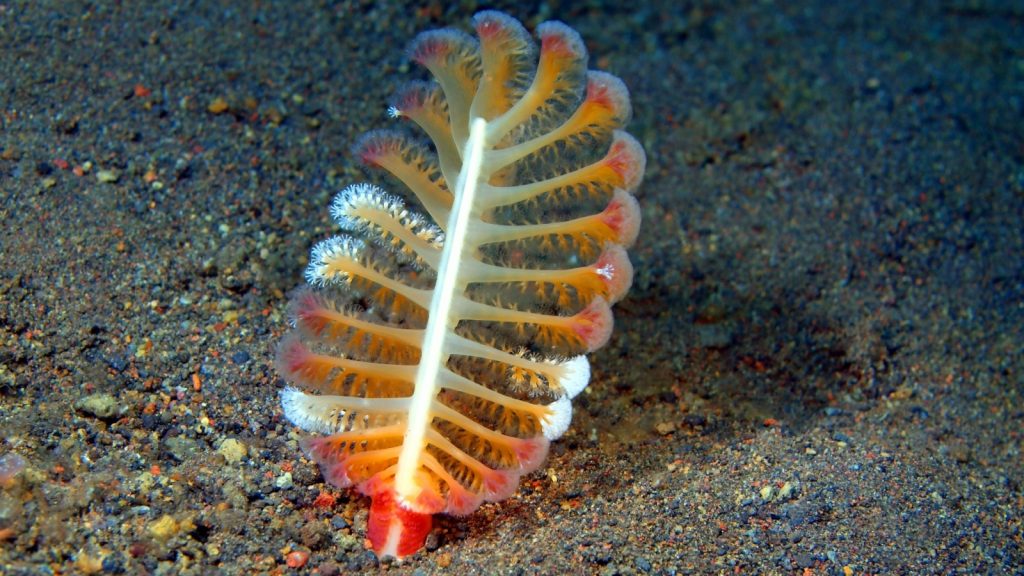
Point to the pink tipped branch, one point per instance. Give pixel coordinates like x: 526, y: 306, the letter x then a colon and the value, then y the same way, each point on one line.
x: 507, y: 53
x: 622, y: 167
x: 588, y: 329
x: 319, y: 319
x: 605, y: 108
x: 562, y: 57
x: 333, y: 375
x: 412, y: 164
x: 618, y: 223
x: 424, y: 104
x: 453, y: 59
x: 609, y: 277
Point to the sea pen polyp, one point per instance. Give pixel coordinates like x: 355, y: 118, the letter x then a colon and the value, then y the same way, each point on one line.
x: 444, y: 334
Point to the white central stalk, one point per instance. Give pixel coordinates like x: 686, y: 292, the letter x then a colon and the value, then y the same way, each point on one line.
x: 434, y: 356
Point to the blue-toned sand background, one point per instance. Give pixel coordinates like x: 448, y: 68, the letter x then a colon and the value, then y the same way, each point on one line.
x: 818, y: 369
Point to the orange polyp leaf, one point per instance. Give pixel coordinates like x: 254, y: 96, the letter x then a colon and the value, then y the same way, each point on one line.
x: 618, y: 223
x: 609, y: 93
x: 495, y: 451
x: 436, y: 47
x: 616, y: 272
x: 605, y: 108
x: 506, y: 50
x: 530, y: 453
x: 412, y: 164
x: 622, y: 217
x: 454, y: 60
x: 609, y: 277
x: 430, y: 499
x: 351, y: 458
x: 461, y: 502
x: 333, y: 375
x: 555, y: 87
x: 424, y: 104
x: 306, y: 308
x: 463, y: 484
x: 559, y: 44
x: 621, y: 167
x: 563, y: 63
x: 507, y: 421
x: 627, y: 159
x: 320, y: 318
x: 594, y: 324
x: 297, y: 363
x: 500, y: 484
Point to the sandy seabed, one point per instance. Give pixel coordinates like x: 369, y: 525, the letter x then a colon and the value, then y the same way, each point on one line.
x: 818, y: 369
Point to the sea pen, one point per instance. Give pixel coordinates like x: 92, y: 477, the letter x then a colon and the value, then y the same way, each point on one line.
x: 444, y: 334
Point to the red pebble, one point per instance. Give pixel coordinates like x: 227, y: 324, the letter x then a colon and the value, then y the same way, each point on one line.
x: 324, y: 500
x: 296, y: 559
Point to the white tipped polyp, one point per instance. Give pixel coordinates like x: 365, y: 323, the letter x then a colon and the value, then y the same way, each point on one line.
x: 356, y: 196
x: 327, y: 250
x: 315, y: 272
x: 558, y: 418
x: 307, y: 412
x: 575, y: 375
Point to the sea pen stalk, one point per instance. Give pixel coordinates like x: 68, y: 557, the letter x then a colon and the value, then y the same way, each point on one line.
x: 434, y: 355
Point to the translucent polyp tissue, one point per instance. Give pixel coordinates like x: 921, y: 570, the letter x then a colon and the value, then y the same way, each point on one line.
x: 444, y: 331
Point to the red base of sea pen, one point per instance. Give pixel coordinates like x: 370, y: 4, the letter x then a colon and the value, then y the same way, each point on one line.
x: 393, y: 530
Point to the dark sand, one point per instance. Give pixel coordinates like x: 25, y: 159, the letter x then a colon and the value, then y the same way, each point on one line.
x: 818, y: 370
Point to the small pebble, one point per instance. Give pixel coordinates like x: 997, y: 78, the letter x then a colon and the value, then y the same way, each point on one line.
x: 218, y: 106
x: 338, y: 522
x: 102, y: 406
x: 107, y: 176
x: 284, y: 481
x: 786, y: 492
x: 164, y: 527
x: 232, y: 450
x: 10, y: 466
x: 329, y: 569
x: 297, y: 559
